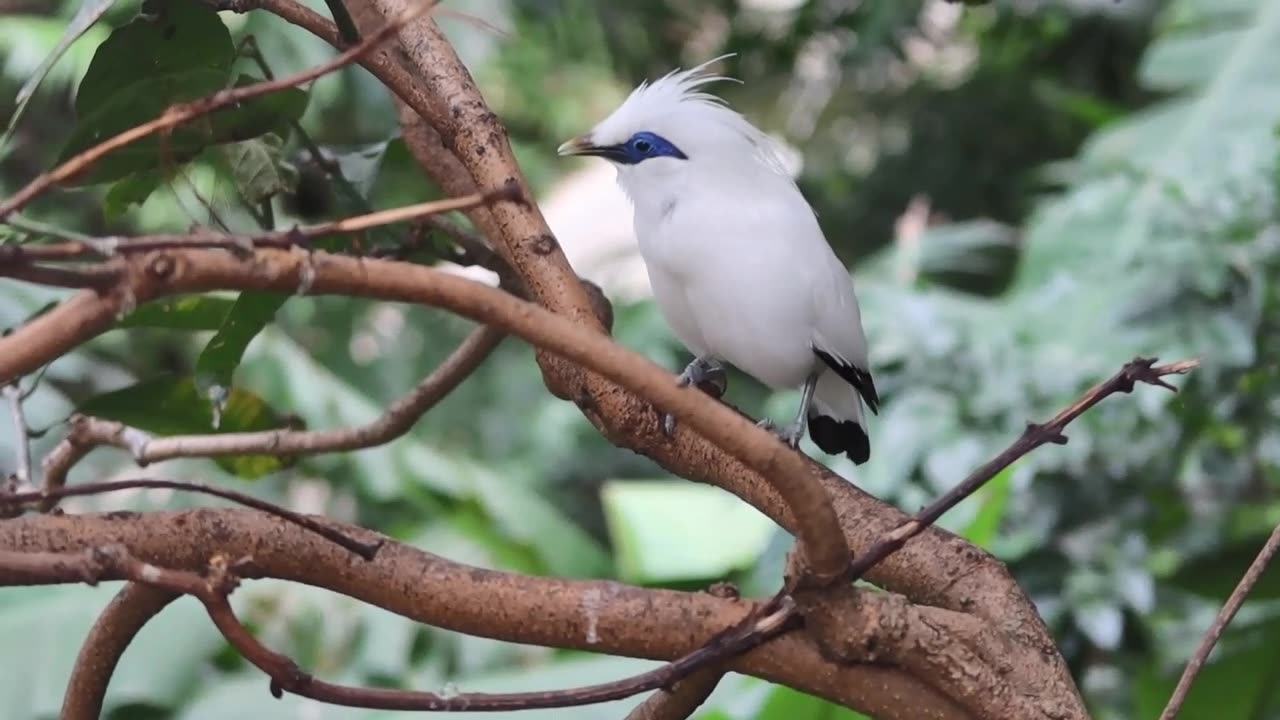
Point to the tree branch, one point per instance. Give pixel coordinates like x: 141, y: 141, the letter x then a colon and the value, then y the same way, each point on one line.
x: 87, y: 432
x: 1229, y: 610
x: 597, y: 616
x: 126, y: 614
x: 22, y: 442
x: 682, y: 700
x: 15, y: 501
x: 108, y: 247
x: 151, y: 275
x: 1138, y: 370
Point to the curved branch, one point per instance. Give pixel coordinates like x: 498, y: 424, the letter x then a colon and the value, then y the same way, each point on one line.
x: 126, y: 614
x: 87, y: 433
x: 681, y: 701
x: 168, y: 272
x: 596, y: 616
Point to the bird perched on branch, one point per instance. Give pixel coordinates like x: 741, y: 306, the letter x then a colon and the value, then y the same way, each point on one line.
x: 737, y: 261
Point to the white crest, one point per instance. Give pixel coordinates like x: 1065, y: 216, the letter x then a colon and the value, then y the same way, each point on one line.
x: 676, y: 107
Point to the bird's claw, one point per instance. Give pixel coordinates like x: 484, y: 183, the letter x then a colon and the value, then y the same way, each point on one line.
x: 696, y: 373
x: 789, y: 434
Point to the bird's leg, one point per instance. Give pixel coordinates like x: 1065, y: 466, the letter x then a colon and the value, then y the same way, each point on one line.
x: 793, y: 432
x: 700, y: 370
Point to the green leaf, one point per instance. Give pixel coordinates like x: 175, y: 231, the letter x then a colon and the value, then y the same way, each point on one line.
x: 666, y: 530
x: 90, y: 12
x: 259, y: 170
x: 130, y: 191
x: 272, y: 113
x: 179, y: 52
x: 218, y: 361
x: 193, y: 312
x: 171, y: 406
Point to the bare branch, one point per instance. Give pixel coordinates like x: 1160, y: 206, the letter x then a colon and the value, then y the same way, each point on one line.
x: 1138, y: 370
x: 1229, y: 610
x: 176, y: 115
x: 88, y: 432
x: 109, y: 637
x: 16, y: 501
x: 603, y: 617
x: 107, y: 247
x: 22, y: 442
x: 171, y: 272
x: 682, y: 700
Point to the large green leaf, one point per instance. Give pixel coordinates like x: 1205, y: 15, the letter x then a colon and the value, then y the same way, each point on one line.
x: 171, y: 406
x: 674, y: 530
x: 180, y: 52
x: 218, y: 361
x: 173, y: 52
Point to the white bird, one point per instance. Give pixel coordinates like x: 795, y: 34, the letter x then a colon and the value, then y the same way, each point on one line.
x: 738, y: 264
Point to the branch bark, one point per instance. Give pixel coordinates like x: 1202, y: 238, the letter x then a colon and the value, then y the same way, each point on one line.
x: 596, y: 616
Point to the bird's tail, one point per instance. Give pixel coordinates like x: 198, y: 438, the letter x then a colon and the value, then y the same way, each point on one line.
x: 837, y: 421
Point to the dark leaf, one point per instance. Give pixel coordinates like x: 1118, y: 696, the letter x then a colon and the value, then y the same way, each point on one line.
x: 220, y: 358
x: 129, y: 191
x: 179, y: 52
x: 258, y: 168
x: 172, y: 406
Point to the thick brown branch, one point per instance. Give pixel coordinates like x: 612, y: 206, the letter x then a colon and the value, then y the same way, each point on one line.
x: 597, y: 616
x: 15, y: 501
x: 87, y: 433
x: 1229, y: 610
x: 110, y: 636
x: 171, y: 272
x: 176, y: 115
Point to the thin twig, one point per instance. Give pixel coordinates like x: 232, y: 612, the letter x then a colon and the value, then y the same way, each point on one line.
x: 1138, y: 370
x: 1229, y: 610
x: 22, y: 447
x: 176, y: 115
x: 99, y: 247
x: 17, y: 501
x: 286, y: 676
x: 89, y: 432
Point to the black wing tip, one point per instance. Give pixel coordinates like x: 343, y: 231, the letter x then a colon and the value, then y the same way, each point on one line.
x: 857, y: 377
x: 840, y: 436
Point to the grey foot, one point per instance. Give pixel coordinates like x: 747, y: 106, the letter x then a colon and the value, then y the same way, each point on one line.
x: 701, y: 370
x: 791, y: 434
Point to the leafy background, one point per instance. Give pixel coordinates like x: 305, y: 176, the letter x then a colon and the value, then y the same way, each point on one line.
x: 1030, y: 193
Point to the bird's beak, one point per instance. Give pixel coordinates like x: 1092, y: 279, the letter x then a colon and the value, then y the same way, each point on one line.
x: 578, y: 146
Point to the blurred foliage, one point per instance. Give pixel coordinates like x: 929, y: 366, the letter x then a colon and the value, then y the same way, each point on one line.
x: 1033, y: 192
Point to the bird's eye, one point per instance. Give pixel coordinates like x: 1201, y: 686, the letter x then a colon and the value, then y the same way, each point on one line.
x: 642, y: 145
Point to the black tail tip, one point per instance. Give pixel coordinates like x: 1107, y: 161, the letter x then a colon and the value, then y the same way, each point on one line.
x: 840, y: 436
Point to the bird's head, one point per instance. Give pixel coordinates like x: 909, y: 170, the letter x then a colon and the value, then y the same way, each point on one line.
x: 665, y: 127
